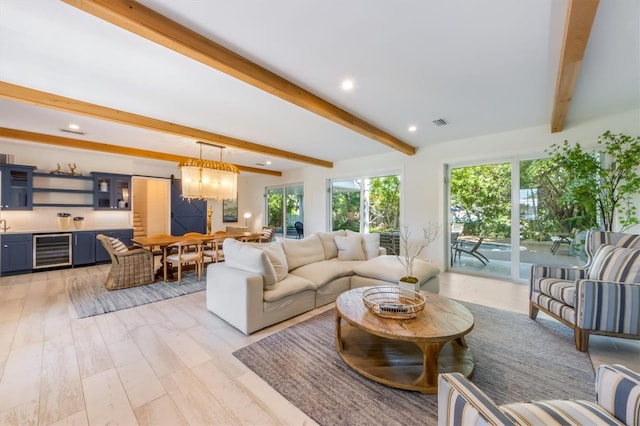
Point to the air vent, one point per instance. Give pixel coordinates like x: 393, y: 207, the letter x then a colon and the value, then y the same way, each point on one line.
x: 259, y: 164
x: 440, y: 122
x: 72, y: 131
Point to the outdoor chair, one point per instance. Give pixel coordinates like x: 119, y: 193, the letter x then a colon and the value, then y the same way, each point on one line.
x: 129, y: 267
x: 299, y: 229
x: 562, y: 238
x: 460, y: 248
x: 602, y: 297
x: 617, y: 402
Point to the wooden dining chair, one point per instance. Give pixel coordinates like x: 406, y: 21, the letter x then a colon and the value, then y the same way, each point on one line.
x: 189, y: 251
x: 213, y: 250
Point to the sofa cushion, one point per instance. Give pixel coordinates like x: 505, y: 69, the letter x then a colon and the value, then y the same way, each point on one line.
x: 388, y: 268
x: 350, y: 247
x: 118, y: 245
x: 278, y: 259
x: 251, y: 259
x: 558, y: 412
x: 558, y: 289
x: 323, y: 272
x: 329, y: 244
x: 615, y: 264
x: 288, y: 287
x: 304, y: 251
x: 370, y: 243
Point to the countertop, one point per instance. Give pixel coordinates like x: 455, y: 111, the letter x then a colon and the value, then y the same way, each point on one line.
x: 59, y: 231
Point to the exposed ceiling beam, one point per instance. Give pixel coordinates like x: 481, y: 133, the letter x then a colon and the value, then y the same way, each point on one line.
x: 577, y: 27
x: 25, y: 136
x: 49, y: 100
x: 153, y: 26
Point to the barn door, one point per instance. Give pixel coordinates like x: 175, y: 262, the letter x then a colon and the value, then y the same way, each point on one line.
x: 186, y: 216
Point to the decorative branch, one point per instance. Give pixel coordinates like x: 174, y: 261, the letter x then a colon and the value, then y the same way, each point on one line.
x: 430, y: 233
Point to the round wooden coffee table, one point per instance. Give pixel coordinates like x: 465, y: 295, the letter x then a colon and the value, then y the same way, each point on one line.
x: 406, y: 354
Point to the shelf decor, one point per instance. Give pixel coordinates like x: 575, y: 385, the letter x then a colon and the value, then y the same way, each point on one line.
x: 206, y: 179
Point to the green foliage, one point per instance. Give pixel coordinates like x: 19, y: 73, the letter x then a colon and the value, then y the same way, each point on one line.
x: 346, y: 210
x: 482, y: 197
x: 275, y: 209
x: 603, y: 189
x: 384, y: 199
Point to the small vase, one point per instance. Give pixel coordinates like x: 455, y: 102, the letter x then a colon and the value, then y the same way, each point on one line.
x: 64, y: 222
x: 79, y: 224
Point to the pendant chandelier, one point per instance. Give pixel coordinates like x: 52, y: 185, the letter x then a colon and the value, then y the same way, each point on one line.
x: 206, y: 179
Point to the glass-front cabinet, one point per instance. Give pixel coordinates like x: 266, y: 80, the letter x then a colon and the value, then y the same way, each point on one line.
x: 17, y: 187
x: 111, y: 191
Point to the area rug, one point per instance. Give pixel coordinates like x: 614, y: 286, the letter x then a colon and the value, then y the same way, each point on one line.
x: 89, y: 296
x: 516, y: 359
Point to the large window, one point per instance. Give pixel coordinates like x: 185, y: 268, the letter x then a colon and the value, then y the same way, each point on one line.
x: 284, y: 209
x: 368, y: 204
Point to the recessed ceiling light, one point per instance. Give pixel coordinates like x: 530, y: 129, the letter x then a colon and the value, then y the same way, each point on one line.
x: 412, y: 129
x: 347, y: 85
x: 74, y: 126
x: 268, y: 162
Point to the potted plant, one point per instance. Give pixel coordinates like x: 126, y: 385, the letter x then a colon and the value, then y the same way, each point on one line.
x: 604, y: 188
x: 410, y: 250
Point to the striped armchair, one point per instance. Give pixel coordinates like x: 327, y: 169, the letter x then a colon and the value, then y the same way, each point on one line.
x: 603, y: 297
x: 460, y: 402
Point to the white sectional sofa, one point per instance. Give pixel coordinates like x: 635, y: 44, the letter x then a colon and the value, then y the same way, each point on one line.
x: 262, y: 284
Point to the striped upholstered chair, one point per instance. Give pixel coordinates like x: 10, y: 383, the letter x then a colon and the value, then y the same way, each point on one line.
x: 603, y: 297
x: 460, y: 402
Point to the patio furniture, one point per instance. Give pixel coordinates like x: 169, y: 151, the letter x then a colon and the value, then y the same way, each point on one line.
x: 460, y: 402
x: 129, y: 267
x: 460, y: 248
x: 299, y: 229
x: 562, y: 238
x: 602, y: 297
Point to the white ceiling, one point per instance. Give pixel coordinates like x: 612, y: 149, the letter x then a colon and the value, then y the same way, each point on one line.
x: 485, y: 66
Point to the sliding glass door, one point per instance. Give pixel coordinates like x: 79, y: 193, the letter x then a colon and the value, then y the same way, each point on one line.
x: 505, y: 217
x: 284, y: 209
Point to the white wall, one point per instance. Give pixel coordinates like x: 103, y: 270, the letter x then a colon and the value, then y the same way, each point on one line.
x: 423, y: 174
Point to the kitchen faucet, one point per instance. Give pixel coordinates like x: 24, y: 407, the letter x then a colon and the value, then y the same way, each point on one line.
x: 3, y: 224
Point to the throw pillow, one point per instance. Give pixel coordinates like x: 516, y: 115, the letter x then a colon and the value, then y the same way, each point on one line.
x: 349, y: 248
x: 276, y: 256
x: 615, y: 264
x: 329, y: 244
x: 118, y: 245
x: 370, y: 243
x: 244, y: 257
x: 304, y: 251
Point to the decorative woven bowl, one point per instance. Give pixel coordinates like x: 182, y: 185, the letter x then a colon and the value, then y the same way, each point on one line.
x: 393, y: 302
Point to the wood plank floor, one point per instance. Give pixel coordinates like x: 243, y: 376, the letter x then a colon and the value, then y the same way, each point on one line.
x: 168, y: 362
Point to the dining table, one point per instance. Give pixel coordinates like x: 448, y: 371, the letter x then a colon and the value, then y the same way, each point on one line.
x: 163, y: 241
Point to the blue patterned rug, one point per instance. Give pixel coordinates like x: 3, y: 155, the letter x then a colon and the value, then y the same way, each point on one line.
x: 89, y: 296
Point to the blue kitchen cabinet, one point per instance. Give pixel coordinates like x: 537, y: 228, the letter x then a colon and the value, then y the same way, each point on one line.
x: 84, y: 248
x: 17, y: 187
x: 17, y: 253
x: 111, y: 191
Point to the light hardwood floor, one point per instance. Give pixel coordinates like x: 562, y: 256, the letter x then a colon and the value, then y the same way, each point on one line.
x: 168, y: 362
